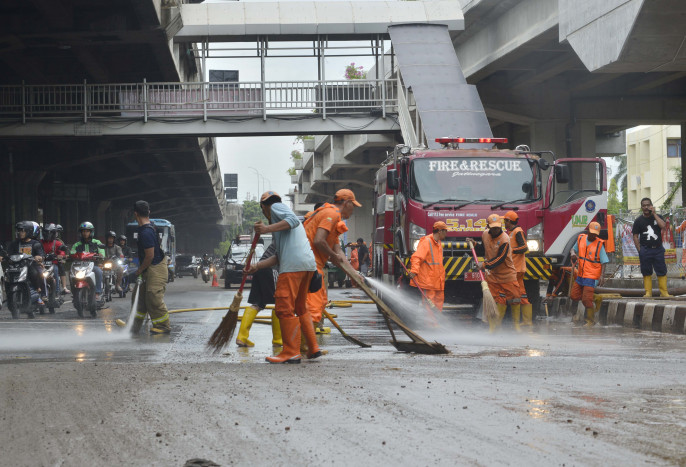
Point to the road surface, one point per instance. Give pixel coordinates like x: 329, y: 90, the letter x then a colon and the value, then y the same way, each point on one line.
x: 82, y: 393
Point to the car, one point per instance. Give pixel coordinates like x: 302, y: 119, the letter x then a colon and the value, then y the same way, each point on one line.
x: 187, y: 265
x: 235, y: 263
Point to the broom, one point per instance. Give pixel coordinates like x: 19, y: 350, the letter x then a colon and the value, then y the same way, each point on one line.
x: 490, y: 307
x: 224, y: 332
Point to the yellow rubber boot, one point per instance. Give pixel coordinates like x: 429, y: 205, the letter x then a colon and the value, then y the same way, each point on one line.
x: 527, y: 315
x: 516, y: 309
x: 246, y: 323
x: 662, y: 285
x: 276, y: 330
x: 590, y: 317
x: 648, y: 285
x: 494, y: 323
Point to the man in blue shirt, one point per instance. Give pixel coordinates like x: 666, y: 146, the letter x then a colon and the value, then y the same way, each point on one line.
x: 296, y: 265
x: 153, y: 270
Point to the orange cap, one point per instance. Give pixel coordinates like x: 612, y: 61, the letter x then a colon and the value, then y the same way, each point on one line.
x: 268, y: 194
x: 346, y: 195
x: 594, y: 228
x: 494, y: 221
x: 440, y: 225
x: 511, y: 216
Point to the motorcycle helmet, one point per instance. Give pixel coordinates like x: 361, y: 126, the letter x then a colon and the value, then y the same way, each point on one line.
x: 49, y: 232
x: 24, y: 226
x: 35, y: 234
x: 122, y: 237
x: 86, y: 226
x: 58, y: 230
x: 112, y: 234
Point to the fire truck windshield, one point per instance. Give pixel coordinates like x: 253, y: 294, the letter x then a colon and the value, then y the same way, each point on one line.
x: 481, y: 179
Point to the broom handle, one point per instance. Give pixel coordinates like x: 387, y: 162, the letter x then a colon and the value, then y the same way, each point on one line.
x: 247, y: 261
x: 476, y: 260
x: 412, y: 278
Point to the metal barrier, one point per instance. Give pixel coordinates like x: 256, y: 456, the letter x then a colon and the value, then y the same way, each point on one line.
x: 194, y: 99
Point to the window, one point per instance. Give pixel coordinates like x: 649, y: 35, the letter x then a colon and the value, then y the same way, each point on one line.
x: 674, y: 147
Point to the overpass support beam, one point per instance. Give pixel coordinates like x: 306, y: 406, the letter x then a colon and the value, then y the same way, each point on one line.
x: 549, y: 135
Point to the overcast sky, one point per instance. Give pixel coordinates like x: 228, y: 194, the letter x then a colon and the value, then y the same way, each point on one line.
x: 270, y: 155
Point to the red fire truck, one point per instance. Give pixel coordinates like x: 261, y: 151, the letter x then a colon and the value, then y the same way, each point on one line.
x: 555, y: 202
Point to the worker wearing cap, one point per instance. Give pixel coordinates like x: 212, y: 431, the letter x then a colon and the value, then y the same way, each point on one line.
x: 296, y: 267
x: 519, y: 251
x: 501, y: 273
x: 426, y: 265
x: 589, y: 253
x: 323, y: 229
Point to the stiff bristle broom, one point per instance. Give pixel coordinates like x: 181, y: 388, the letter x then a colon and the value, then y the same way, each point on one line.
x: 490, y: 310
x: 224, y: 332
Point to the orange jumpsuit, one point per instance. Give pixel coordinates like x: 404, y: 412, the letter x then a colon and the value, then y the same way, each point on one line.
x: 519, y: 251
x: 502, y: 276
x: 354, y: 261
x: 427, y: 264
x: 326, y: 217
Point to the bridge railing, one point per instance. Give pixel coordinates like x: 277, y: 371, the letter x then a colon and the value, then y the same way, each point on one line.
x: 194, y: 99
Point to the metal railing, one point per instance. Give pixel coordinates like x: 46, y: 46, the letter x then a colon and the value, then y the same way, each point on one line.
x: 194, y: 99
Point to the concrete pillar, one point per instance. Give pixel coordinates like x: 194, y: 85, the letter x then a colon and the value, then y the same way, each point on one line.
x: 361, y: 223
x: 583, y: 140
x: 548, y: 136
x: 100, y: 219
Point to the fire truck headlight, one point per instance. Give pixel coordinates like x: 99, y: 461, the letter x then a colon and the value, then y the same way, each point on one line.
x: 533, y: 245
x: 416, y: 233
x: 534, y: 238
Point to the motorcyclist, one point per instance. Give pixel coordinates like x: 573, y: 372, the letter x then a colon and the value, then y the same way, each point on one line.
x: 112, y: 250
x: 126, y: 250
x: 26, y: 232
x: 89, y: 244
x: 60, y: 266
x: 53, y: 246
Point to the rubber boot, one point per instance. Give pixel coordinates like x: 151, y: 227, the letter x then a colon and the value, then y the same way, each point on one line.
x: 662, y: 285
x: 290, y: 327
x: 307, y: 330
x: 527, y: 316
x: 494, y: 323
x: 246, y: 323
x: 590, y: 317
x: 276, y: 330
x: 516, y: 311
x: 648, y: 285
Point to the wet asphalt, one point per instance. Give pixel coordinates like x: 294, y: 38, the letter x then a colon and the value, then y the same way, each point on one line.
x: 562, y: 395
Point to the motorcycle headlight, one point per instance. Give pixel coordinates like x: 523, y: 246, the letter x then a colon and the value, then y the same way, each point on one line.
x: 46, y: 274
x: 120, y: 262
x: 81, y: 275
x: 416, y: 233
x: 108, y: 265
x: 534, y: 238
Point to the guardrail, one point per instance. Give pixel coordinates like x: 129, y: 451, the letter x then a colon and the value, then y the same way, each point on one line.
x: 194, y: 99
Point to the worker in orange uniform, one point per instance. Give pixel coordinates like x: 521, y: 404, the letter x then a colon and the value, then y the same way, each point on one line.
x: 519, y: 251
x: 590, y: 254
x: 501, y: 273
x: 354, y: 259
x: 323, y: 229
x: 297, y: 266
x: 426, y: 265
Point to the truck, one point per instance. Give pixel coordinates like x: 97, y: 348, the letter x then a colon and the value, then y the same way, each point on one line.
x: 167, y: 235
x: 415, y: 187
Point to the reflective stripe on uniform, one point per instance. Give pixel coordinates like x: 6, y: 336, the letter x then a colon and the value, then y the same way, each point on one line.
x: 162, y: 318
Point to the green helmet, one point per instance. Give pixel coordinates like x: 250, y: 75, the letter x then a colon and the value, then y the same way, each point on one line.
x: 86, y: 226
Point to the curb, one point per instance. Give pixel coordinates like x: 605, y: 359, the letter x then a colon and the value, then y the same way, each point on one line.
x: 663, y: 316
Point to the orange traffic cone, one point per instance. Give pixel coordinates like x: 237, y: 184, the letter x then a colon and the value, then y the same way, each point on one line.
x: 214, y: 280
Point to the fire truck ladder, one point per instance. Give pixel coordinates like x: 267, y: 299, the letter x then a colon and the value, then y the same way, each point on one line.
x: 435, y: 100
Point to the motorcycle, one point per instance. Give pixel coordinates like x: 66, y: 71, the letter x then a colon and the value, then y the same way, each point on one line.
x: 19, y: 296
x: 109, y: 276
x: 206, y: 271
x: 51, y: 276
x: 83, y: 283
x: 126, y: 276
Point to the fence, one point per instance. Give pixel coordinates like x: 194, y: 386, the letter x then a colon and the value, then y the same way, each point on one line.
x: 624, y: 262
x: 150, y: 100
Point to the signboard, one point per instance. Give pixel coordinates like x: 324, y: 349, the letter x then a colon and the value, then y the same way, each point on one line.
x: 230, y: 180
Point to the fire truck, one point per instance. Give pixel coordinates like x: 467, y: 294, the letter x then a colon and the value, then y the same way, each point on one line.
x: 415, y: 187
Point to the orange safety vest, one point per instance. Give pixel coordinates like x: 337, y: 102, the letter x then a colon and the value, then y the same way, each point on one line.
x: 354, y: 260
x: 519, y: 260
x: 505, y: 272
x: 427, y: 264
x: 589, y: 258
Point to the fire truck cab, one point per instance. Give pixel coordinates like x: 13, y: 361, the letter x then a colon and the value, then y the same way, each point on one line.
x: 415, y: 187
